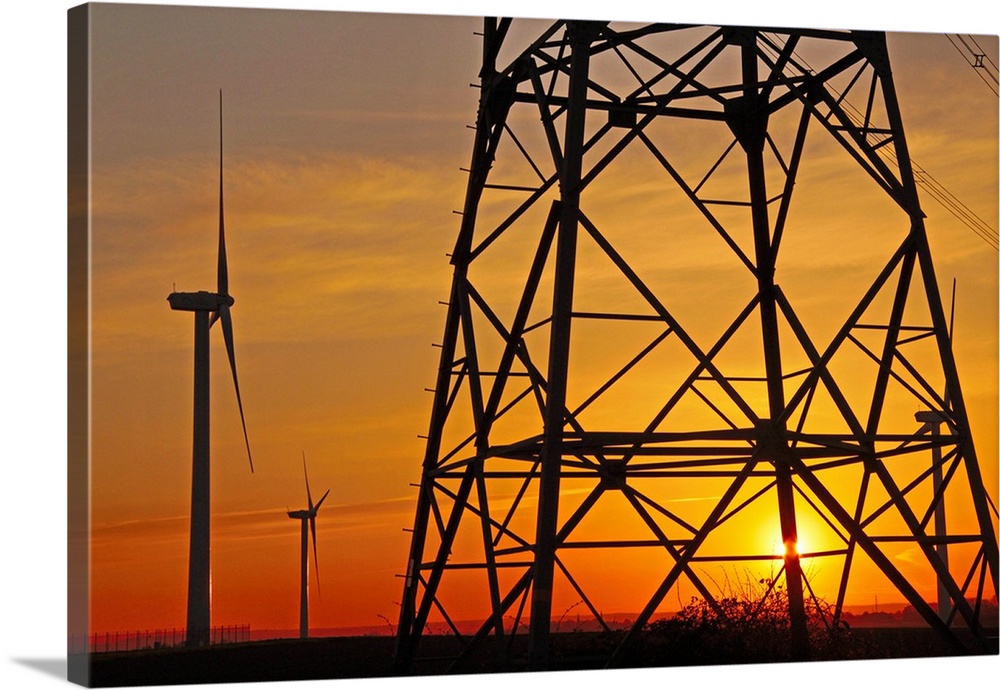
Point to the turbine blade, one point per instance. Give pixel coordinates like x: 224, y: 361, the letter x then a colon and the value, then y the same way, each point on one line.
x: 316, y: 509
x: 306, y: 472
x: 951, y: 334
x: 223, y: 267
x: 951, y: 318
x: 227, y: 332
x: 312, y: 527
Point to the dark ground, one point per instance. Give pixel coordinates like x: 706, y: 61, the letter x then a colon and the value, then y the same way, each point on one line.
x: 269, y: 660
x: 371, y: 657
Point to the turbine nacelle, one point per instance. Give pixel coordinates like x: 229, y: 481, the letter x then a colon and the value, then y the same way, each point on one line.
x: 199, y: 301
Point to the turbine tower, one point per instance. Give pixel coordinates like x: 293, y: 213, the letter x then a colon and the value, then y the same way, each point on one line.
x: 208, y: 307
x: 693, y: 309
x: 931, y: 424
x: 307, y: 516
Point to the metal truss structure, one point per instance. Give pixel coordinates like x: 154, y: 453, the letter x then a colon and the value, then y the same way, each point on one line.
x: 693, y: 310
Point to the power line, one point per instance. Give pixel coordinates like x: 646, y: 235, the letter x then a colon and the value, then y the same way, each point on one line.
x: 978, y: 60
x: 924, y: 179
x: 979, y: 52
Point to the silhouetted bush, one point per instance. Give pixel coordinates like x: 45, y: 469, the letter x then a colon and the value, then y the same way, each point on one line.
x: 750, y: 626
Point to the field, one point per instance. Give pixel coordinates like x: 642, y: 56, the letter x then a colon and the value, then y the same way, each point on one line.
x: 371, y: 656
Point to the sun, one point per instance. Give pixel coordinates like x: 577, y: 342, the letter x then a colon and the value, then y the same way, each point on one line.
x: 779, y: 549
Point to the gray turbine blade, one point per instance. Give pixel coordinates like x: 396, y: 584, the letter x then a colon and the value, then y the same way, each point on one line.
x: 223, y: 267
x: 316, y: 509
x: 227, y: 332
x: 306, y: 472
x: 312, y: 527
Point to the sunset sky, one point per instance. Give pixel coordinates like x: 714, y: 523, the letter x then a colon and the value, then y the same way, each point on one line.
x: 344, y: 135
x: 322, y: 154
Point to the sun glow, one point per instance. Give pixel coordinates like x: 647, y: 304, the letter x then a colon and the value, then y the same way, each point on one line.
x: 782, y: 549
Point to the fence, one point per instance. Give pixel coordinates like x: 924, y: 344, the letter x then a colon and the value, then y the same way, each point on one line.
x: 132, y: 640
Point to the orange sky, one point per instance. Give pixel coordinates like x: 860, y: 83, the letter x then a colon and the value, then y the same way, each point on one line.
x: 344, y: 135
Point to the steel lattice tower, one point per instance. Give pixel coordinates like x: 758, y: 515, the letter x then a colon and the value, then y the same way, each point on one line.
x: 616, y: 418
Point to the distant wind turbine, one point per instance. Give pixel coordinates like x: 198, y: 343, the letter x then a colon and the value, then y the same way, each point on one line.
x: 307, y: 516
x: 208, y: 307
x: 932, y: 421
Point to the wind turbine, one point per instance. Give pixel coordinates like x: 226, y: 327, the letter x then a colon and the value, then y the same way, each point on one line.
x: 208, y: 307
x: 932, y: 421
x: 307, y: 516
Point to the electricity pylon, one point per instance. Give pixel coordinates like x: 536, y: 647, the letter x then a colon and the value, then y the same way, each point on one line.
x: 693, y: 302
